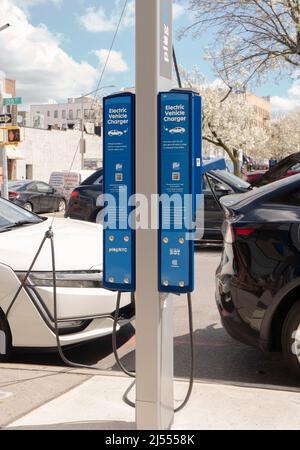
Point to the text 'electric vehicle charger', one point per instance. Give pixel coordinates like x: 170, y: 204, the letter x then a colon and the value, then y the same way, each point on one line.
x: 118, y: 188
x: 179, y: 175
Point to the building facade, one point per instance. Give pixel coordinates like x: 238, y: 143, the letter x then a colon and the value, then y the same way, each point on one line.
x: 77, y: 114
x: 43, y: 152
x: 262, y: 108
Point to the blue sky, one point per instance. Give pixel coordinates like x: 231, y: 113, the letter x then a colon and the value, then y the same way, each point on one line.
x: 78, y: 33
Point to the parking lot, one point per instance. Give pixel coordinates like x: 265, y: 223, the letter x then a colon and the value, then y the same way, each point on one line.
x: 218, y: 357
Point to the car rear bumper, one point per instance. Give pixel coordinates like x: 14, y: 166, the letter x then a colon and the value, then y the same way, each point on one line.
x: 227, y: 298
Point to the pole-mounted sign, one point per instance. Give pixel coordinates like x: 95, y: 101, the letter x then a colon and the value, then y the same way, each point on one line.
x: 118, y: 187
x: 5, y: 119
x: 12, y: 101
x: 166, y: 41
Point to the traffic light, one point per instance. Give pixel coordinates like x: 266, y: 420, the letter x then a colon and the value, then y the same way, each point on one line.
x: 13, y: 135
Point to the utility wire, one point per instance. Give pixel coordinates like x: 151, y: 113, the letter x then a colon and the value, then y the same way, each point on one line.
x: 109, y: 52
x: 98, y: 87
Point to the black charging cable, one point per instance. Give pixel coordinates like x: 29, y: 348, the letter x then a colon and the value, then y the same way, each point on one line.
x: 49, y: 235
x: 132, y: 374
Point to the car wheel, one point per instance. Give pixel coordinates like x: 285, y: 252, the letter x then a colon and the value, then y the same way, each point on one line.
x: 291, y: 338
x: 28, y: 206
x: 62, y: 206
x: 5, y: 339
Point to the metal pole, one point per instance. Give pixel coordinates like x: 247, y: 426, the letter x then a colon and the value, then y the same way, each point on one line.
x: 4, y: 187
x: 82, y: 140
x: 154, y: 336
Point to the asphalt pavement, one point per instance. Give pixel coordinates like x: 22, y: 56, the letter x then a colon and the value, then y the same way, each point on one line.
x: 220, y: 360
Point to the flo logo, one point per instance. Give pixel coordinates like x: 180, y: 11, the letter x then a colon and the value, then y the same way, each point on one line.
x: 296, y: 343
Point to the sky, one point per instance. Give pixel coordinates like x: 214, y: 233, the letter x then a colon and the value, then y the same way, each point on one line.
x: 55, y: 49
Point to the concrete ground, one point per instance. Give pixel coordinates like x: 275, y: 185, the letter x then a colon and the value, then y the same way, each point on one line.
x: 97, y: 404
x: 236, y: 386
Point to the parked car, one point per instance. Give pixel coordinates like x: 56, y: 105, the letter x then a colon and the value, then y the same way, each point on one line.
x: 258, y: 280
x: 285, y: 168
x: 85, y: 308
x: 36, y: 196
x: 85, y: 201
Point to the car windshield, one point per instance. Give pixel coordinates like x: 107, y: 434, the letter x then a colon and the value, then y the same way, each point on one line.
x: 12, y: 215
x: 231, y: 179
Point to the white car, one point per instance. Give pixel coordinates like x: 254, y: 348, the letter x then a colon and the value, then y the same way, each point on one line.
x: 85, y: 308
x: 177, y: 130
x: 115, y: 133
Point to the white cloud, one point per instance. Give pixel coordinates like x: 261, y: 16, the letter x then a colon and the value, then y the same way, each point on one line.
x: 288, y: 103
x: 26, y: 4
x: 96, y: 20
x: 32, y: 55
x: 178, y: 11
x: 116, y: 63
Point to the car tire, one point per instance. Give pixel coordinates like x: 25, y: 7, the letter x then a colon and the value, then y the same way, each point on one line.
x: 28, y: 206
x: 291, y: 338
x: 62, y: 206
x: 4, y: 327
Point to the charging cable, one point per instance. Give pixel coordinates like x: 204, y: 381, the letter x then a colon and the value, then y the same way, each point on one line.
x: 49, y: 235
x: 132, y: 374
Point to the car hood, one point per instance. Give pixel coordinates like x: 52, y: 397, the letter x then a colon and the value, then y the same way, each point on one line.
x: 78, y: 246
x: 279, y: 171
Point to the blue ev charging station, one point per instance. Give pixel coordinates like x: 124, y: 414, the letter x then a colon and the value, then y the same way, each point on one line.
x: 152, y: 146
x: 179, y: 180
x: 119, y: 186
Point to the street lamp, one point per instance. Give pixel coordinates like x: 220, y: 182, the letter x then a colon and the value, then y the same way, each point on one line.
x: 4, y: 26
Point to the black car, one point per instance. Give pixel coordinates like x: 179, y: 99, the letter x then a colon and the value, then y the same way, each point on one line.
x: 258, y: 280
x: 36, y: 196
x: 85, y: 200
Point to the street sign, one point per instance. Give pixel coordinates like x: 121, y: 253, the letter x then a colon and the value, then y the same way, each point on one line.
x: 12, y: 101
x: 5, y: 119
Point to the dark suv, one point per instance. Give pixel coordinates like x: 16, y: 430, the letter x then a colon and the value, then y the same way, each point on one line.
x: 258, y: 280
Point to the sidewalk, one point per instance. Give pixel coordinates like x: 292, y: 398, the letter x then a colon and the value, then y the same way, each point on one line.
x: 97, y: 404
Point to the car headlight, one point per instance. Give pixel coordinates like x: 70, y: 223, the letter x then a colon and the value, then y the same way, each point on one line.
x: 71, y: 279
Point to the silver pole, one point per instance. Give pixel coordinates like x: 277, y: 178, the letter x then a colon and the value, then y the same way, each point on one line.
x: 4, y: 187
x: 154, y: 336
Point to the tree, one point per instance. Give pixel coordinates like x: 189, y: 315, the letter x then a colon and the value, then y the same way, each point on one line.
x: 229, y: 121
x: 252, y: 37
x: 285, y: 135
